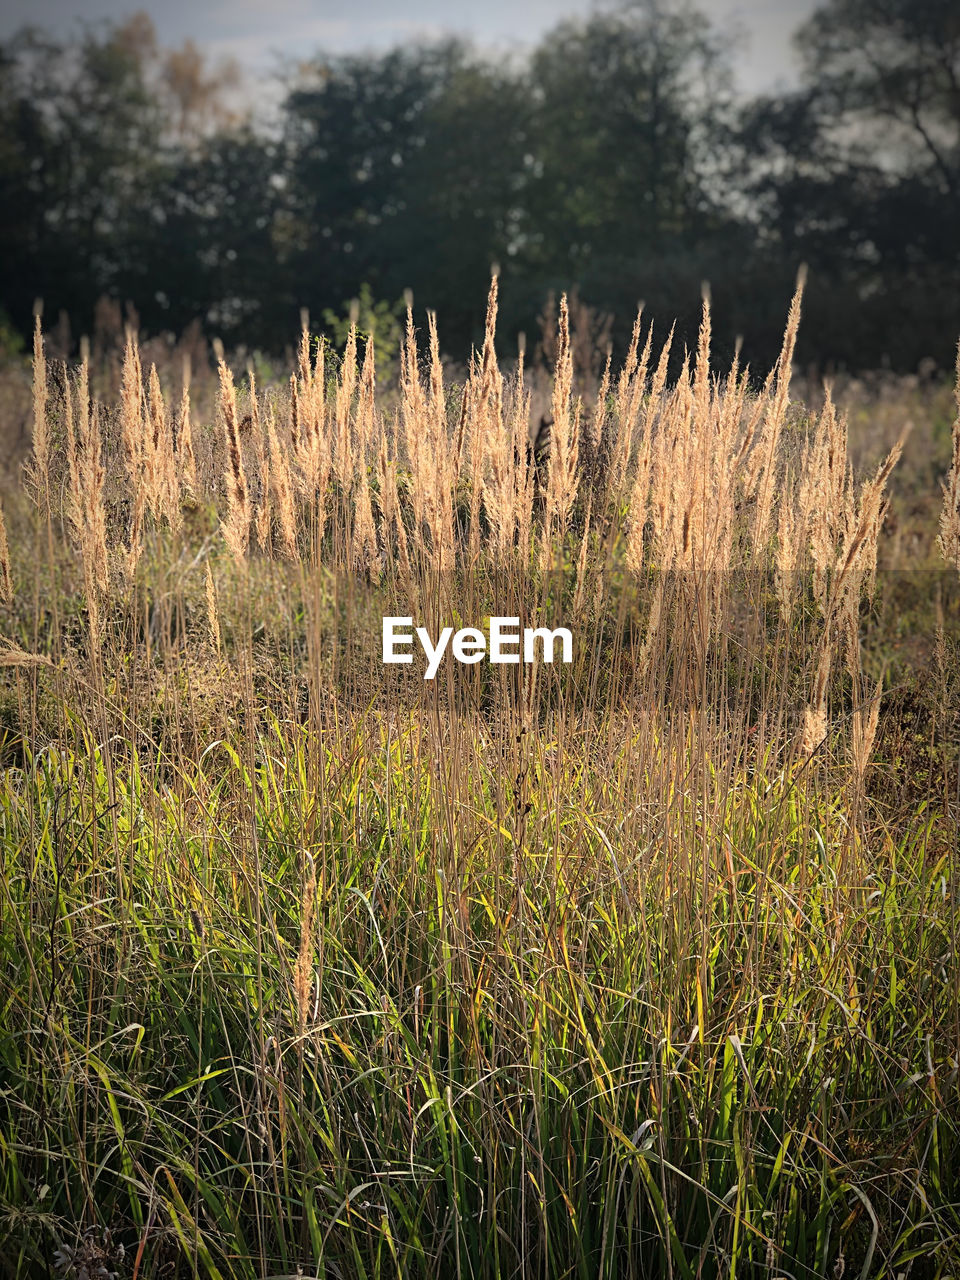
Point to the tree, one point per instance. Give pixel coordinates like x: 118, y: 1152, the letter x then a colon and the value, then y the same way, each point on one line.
x: 858, y: 173
x: 101, y: 141
x: 206, y: 244
x: 403, y: 170
x: 622, y: 100
x: 887, y: 73
x: 78, y: 144
x: 628, y: 106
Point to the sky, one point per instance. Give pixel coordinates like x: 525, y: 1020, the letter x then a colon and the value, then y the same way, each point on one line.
x: 255, y: 32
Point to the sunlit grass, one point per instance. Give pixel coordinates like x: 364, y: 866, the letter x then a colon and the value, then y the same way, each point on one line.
x: 529, y: 1043
x: 640, y: 966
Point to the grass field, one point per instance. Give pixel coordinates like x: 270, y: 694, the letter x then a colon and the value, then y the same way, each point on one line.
x: 644, y: 966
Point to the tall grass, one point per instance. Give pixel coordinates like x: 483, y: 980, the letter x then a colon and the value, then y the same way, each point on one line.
x: 643, y: 966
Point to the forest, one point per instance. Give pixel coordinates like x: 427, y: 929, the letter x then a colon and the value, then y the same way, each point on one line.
x: 617, y: 158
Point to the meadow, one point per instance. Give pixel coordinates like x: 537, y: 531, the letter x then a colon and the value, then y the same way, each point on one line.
x: 641, y: 966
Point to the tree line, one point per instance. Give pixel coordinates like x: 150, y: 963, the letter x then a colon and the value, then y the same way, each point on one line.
x: 616, y: 157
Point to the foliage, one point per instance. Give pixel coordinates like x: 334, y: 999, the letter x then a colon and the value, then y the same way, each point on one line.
x: 640, y: 965
x: 616, y: 157
x: 377, y: 320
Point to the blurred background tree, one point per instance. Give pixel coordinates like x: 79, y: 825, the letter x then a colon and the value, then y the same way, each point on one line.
x: 617, y: 157
x: 403, y: 170
x: 630, y: 108
x: 858, y: 173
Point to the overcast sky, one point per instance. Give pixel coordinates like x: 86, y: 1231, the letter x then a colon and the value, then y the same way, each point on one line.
x: 254, y: 31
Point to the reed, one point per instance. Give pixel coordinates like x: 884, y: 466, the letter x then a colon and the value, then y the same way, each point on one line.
x: 949, y: 536
x: 639, y: 966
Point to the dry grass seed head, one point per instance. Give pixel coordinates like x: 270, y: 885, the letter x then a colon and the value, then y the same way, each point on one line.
x: 948, y: 539
x: 343, y: 402
x: 565, y: 431
x: 73, y: 468
x: 236, y: 527
x: 184, y: 444
x: 281, y: 484
x: 303, y: 969
x: 40, y: 464
x: 213, y: 613
x: 6, y: 573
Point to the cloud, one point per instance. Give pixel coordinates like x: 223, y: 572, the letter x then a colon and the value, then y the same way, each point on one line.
x: 254, y: 31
